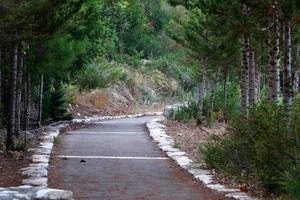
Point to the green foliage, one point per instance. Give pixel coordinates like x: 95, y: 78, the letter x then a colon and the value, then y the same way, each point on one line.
x: 22, y: 146
x: 186, y: 113
x: 233, y: 100
x: 55, y: 104
x: 100, y: 74
x: 212, y: 119
x: 56, y: 141
x: 177, y: 145
x: 263, y: 146
x: 176, y: 65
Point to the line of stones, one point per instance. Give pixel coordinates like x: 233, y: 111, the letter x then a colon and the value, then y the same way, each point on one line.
x: 166, y: 144
x: 35, y: 184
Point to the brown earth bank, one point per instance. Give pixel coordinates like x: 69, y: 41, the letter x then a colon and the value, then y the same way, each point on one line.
x: 105, y: 103
x: 189, y: 137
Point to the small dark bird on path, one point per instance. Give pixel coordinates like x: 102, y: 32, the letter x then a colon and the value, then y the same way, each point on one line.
x: 82, y: 161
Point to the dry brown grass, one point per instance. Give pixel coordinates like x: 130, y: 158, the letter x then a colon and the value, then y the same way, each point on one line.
x: 95, y: 99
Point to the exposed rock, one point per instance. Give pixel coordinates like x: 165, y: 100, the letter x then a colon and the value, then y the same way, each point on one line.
x: 31, y: 193
x: 52, y: 194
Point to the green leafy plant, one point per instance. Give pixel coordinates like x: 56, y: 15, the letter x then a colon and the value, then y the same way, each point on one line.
x: 100, y: 74
x: 56, y: 140
x: 262, y: 146
x: 186, y: 113
x: 22, y: 146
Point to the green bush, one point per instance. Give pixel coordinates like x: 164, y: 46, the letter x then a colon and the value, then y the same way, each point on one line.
x: 56, y: 103
x: 233, y: 99
x: 264, y: 146
x: 100, y: 74
x: 186, y: 113
x: 22, y: 146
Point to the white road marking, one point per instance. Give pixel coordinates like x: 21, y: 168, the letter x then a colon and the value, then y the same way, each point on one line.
x: 110, y: 133
x: 115, y: 157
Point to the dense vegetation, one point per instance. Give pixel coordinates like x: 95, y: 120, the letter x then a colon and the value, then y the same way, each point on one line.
x: 236, y: 61
x: 48, y: 48
x: 253, y: 46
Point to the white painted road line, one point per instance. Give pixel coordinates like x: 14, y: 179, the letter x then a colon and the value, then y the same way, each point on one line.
x: 115, y: 157
x: 110, y: 133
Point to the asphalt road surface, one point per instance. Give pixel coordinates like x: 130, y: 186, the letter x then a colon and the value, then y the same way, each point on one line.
x: 117, y: 160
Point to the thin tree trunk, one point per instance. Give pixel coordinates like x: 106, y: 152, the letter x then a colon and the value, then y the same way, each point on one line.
x: 225, y: 94
x: 202, y: 89
x: 274, y: 54
x: 10, y: 143
x: 0, y: 76
x: 245, y: 76
x: 213, y: 94
x: 27, y: 102
x: 19, y: 94
x: 41, y: 95
x: 257, y: 84
x: 288, y: 84
x: 252, y: 79
x: 296, y: 83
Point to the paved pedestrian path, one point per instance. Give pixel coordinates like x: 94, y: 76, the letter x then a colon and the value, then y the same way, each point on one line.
x: 117, y: 160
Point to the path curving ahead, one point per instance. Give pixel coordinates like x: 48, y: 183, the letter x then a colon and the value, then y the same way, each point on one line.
x: 117, y: 160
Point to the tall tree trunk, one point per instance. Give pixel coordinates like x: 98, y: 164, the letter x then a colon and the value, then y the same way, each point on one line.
x: 0, y: 76
x: 296, y: 82
x: 202, y: 89
x: 288, y: 84
x: 10, y: 143
x: 225, y: 93
x: 245, y: 76
x: 274, y: 54
x: 19, y: 94
x: 27, y: 102
x: 252, y: 79
x: 257, y: 84
x: 213, y: 93
x: 41, y: 95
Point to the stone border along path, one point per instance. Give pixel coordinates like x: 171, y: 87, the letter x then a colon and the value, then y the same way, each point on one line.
x: 166, y: 144
x: 35, y: 185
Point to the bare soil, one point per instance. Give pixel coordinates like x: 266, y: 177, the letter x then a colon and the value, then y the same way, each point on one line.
x: 188, y: 137
x: 11, y: 162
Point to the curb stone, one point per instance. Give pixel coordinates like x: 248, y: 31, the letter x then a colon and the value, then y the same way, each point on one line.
x: 166, y: 144
x: 35, y: 185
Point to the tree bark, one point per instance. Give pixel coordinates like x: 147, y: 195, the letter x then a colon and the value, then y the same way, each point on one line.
x: 274, y: 54
x: 296, y: 82
x: 288, y: 84
x: 41, y: 95
x: 257, y: 84
x: 225, y: 93
x: 213, y: 93
x: 245, y: 76
x: 19, y: 94
x: 10, y: 143
x: 0, y: 76
x: 27, y: 102
x: 252, y: 79
x: 202, y: 89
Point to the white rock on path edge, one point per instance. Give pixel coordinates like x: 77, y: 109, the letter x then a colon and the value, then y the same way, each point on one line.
x: 35, y: 185
x: 166, y: 144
